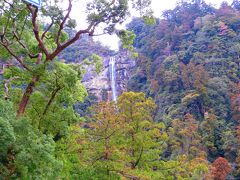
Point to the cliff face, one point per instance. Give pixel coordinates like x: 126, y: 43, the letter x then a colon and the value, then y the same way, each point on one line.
x: 100, y: 84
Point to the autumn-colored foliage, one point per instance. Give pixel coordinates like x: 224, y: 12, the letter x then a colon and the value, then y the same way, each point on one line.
x: 186, y: 138
x: 220, y: 168
x: 180, y: 116
x: 194, y: 76
x: 235, y: 102
x: 237, y: 132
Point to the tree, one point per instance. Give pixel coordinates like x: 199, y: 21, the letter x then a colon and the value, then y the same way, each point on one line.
x: 220, y: 169
x: 140, y: 130
x: 103, y: 139
x: 25, y: 152
x: 208, y: 129
x: 122, y: 140
x: 235, y: 102
x: 236, y: 4
x: 185, y: 138
x: 51, y: 107
x: 33, y: 46
x: 194, y: 76
x: 237, y: 136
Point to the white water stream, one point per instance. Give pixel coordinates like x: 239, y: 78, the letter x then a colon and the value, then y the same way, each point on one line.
x: 112, y: 71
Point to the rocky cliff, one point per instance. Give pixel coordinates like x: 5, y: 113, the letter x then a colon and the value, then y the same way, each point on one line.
x: 100, y: 84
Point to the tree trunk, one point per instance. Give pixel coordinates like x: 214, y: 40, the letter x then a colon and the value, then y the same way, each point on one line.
x: 26, y: 96
x: 54, y: 93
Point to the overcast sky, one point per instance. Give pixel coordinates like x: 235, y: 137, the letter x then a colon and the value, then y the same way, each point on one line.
x: 158, y: 7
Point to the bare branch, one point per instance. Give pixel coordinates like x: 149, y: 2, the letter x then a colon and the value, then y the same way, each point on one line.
x: 28, y: 91
x: 15, y: 35
x: 36, y: 111
x: 64, y: 21
x: 48, y: 28
x: 139, y: 158
x: 93, y: 28
x: 11, y: 5
x: 70, y: 41
x: 41, y: 45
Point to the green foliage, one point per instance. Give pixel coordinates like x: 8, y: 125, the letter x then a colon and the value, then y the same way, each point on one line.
x: 188, y: 63
x: 122, y: 141
x: 149, y: 20
x: 36, y: 143
x: 35, y: 153
x: 191, y: 48
x: 25, y: 152
x: 190, y: 97
x: 7, y: 136
x: 127, y: 39
x: 83, y: 49
x: 95, y: 60
x: 61, y: 89
x: 119, y: 10
x: 25, y: 39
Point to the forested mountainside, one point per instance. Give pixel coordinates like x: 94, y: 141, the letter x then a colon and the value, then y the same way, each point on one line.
x: 180, y: 116
x: 189, y: 64
x: 83, y: 49
x: 190, y: 61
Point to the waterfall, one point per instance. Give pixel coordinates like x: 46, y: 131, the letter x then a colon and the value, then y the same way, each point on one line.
x: 112, y: 71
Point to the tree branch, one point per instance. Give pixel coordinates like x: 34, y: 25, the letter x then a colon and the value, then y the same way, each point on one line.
x: 17, y: 38
x: 69, y: 42
x: 64, y: 21
x: 39, y: 58
x: 19, y: 59
x: 128, y: 176
x: 48, y: 28
x: 6, y: 83
x: 41, y: 45
x: 4, y: 66
x: 54, y: 93
x: 139, y: 158
x: 22, y: 29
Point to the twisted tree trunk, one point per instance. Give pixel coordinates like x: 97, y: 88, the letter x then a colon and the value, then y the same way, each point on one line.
x: 28, y: 91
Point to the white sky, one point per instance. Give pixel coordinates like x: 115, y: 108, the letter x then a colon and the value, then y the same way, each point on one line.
x: 158, y: 7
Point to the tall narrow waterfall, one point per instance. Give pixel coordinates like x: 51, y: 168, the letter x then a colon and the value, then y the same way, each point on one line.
x: 112, y: 71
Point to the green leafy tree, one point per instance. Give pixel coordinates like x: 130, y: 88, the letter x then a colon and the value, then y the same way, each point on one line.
x: 24, y: 39
x: 122, y: 140
x: 25, y: 152
x: 51, y: 107
x: 136, y: 111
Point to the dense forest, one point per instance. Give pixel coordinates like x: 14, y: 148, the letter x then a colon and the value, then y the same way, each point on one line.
x: 179, y: 119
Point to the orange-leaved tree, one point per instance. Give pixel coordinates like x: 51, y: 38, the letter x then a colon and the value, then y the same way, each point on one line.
x: 220, y: 168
